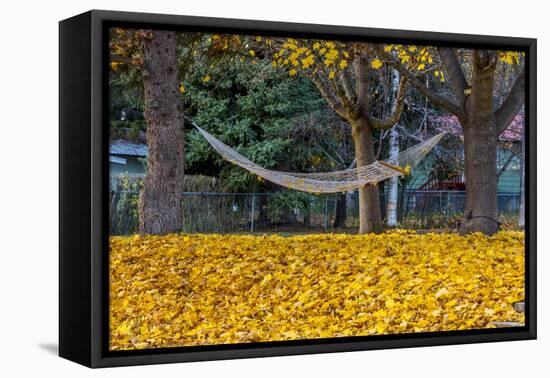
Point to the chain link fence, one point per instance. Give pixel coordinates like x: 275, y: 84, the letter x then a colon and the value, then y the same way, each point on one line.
x: 426, y: 209
x: 295, y: 212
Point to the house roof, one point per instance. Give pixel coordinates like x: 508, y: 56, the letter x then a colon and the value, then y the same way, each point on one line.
x: 451, y: 124
x: 124, y: 147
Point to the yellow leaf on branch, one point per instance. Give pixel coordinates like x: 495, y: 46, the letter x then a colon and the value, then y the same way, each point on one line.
x: 376, y: 63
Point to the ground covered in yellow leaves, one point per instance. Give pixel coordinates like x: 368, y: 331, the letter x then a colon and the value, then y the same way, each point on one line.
x: 183, y: 290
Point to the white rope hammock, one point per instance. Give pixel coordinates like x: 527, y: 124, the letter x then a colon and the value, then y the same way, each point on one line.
x: 329, y: 182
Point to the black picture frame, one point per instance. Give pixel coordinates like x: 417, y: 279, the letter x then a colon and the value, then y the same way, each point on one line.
x: 83, y: 180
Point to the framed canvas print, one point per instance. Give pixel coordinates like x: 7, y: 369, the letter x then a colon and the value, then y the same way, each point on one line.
x: 234, y: 188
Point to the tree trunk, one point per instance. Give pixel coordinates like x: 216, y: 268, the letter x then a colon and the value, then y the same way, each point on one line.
x: 393, y: 182
x: 343, y: 202
x: 341, y: 211
x: 369, y: 200
x: 480, y: 151
x: 481, y: 212
x: 402, y: 203
x: 160, y: 208
x: 261, y: 206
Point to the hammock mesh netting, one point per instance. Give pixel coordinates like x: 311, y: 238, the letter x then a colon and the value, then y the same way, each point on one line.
x: 329, y: 182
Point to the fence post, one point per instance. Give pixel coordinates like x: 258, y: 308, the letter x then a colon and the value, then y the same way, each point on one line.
x: 252, y: 213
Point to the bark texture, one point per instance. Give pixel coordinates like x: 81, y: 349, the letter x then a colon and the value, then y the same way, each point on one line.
x: 341, y: 211
x: 480, y: 170
x: 343, y: 202
x: 160, y: 209
x: 393, y: 182
x: 480, y: 150
x: 369, y: 197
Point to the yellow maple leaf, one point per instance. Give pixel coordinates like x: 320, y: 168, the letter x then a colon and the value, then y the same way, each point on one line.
x: 442, y: 292
x: 376, y: 63
x: 343, y: 64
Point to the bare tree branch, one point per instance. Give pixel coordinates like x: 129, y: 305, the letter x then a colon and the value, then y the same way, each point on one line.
x: 383, y: 135
x: 348, y: 86
x: 339, y: 89
x: 436, y: 99
x: 389, y: 121
x: 512, y: 104
x: 361, y: 82
x: 333, y: 101
x: 455, y: 75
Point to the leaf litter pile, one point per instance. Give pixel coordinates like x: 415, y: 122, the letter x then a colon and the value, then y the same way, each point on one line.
x: 184, y: 290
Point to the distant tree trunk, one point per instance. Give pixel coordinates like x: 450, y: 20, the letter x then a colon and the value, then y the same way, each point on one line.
x: 369, y: 200
x: 261, y: 206
x: 160, y: 207
x: 402, y: 211
x: 480, y: 150
x: 342, y: 203
x: 307, y: 216
x: 393, y: 182
x: 521, y: 221
x: 341, y: 211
